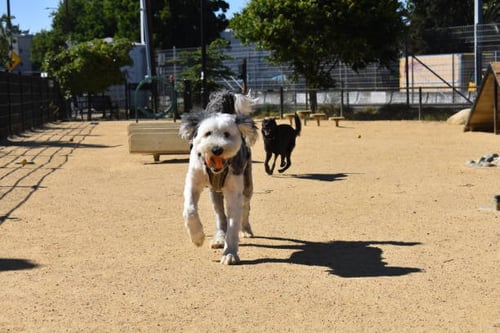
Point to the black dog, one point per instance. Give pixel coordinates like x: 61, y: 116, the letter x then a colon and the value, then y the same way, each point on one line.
x: 279, y: 140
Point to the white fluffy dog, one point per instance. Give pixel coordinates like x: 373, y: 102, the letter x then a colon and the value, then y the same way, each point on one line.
x: 220, y: 158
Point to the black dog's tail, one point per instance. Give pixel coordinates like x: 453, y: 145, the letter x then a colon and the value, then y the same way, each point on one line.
x: 298, y: 125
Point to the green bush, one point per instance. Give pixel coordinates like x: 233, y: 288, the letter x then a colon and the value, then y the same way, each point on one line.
x: 266, y: 110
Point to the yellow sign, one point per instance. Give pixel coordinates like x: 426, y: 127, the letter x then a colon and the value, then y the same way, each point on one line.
x: 15, y: 60
x: 472, y: 87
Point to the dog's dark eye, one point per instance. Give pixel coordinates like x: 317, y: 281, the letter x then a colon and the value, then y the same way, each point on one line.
x: 207, y: 134
x: 227, y: 134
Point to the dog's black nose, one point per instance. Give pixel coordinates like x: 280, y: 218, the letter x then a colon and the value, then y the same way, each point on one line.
x: 217, y: 150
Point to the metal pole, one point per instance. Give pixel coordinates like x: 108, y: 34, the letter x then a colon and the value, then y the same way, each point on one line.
x: 9, y: 28
x: 9, y: 23
x: 342, y: 101
x: 281, y: 103
x: 204, y: 99
x: 175, y: 62
x: 407, y: 74
x: 145, y: 37
x: 141, y: 17
x: 453, y: 78
x: 495, y: 106
x: 419, y: 103
x: 478, y: 20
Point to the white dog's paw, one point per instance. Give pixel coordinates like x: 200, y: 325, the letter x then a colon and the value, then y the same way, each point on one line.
x: 218, y: 241
x: 246, y: 232
x: 230, y: 259
x: 198, y: 238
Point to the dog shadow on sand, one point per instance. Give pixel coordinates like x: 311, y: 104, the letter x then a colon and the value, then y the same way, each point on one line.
x: 349, y: 259
x: 324, y: 177
x: 10, y: 264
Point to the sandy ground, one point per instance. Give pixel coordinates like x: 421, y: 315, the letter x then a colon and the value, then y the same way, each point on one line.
x: 376, y: 227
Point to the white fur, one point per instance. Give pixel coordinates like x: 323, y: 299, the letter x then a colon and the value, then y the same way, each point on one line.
x: 225, y: 131
x: 243, y: 103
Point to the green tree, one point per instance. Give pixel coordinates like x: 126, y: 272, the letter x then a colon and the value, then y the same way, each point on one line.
x: 430, y: 19
x: 5, y: 37
x: 174, y: 22
x: 89, y: 67
x: 76, y: 21
x: 313, y: 36
x: 46, y: 42
x: 177, y: 22
x: 215, y: 68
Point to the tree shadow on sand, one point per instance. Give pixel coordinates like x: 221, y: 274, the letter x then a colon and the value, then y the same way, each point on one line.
x: 349, y: 259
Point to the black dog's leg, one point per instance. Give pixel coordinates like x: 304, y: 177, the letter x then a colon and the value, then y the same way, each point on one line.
x: 283, y: 163
x: 288, y: 162
x: 266, y: 163
x: 217, y: 199
x: 270, y: 170
x: 274, y: 164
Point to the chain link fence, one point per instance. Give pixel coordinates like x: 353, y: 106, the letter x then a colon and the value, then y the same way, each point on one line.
x: 418, y: 81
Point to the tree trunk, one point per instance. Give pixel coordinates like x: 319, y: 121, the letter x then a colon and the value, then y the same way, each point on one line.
x: 313, y: 99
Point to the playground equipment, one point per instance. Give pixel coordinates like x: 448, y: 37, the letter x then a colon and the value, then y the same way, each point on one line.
x: 156, y: 98
x: 485, y: 113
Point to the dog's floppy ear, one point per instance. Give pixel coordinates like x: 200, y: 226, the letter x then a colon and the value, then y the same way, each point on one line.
x: 248, y: 129
x: 189, y: 124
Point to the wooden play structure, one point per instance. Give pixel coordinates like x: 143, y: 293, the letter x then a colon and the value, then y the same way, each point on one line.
x: 485, y: 113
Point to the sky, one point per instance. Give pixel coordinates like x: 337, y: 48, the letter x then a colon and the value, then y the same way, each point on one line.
x: 35, y: 15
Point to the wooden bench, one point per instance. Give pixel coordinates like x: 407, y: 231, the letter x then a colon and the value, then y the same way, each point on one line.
x: 337, y: 119
x: 304, y: 115
x: 133, y: 127
x: 290, y: 117
x: 318, y: 117
x: 156, y: 138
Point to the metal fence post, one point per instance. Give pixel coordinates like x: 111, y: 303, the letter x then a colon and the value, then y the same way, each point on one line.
x: 9, y: 104
x: 341, y: 102
x: 419, y: 103
x: 281, y: 102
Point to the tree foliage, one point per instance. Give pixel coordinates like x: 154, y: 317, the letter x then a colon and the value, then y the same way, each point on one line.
x: 77, y: 21
x: 174, y: 23
x: 177, y: 22
x: 89, y: 67
x: 313, y: 36
x: 215, y: 68
x: 4, y: 41
x: 429, y: 20
x: 84, y: 20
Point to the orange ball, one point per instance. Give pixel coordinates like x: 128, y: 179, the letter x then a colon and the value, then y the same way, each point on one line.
x: 214, y: 162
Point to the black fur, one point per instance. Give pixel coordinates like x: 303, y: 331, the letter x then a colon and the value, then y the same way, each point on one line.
x: 279, y: 140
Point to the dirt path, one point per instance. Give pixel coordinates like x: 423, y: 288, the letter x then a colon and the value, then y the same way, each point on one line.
x: 376, y: 227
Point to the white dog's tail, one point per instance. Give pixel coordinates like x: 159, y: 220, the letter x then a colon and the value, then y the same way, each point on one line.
x: 243, y: 103
x: 225, y: 101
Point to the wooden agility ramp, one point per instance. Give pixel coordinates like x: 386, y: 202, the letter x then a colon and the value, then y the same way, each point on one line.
x: 485, y: 113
